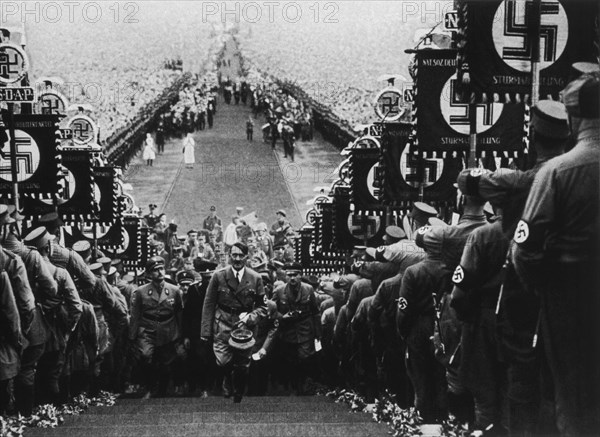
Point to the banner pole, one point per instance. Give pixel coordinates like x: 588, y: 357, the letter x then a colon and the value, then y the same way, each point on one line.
x: 535, y: 71
x: 535, y: 54
x: 96, y: 240
x: 472, y: 161
x: 13, y: 154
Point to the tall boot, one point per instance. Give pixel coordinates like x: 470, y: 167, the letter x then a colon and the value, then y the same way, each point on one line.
x: 227, y: 380
x: 240, y: 376
x: 24, y: 397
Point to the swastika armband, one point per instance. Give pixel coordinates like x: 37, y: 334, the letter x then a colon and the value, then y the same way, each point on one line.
x: 472, y: 182
x: 462, y: 278
x: 402, y: 303
x: 420, y: 235
x: 528, y: 236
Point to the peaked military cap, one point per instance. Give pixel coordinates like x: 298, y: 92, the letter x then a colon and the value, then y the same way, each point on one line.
x: 582, y: 96
x: 550, y: 119
x: 38, y: 238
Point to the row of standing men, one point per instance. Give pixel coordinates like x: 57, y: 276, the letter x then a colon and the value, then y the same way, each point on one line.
x: 494, y: 321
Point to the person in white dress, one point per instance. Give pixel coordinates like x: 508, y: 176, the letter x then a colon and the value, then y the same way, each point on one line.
x: 188, y: 151
x: 149, y: 154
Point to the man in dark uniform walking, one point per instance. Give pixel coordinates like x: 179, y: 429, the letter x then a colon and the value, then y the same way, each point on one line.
x: 299, y: 324
x: 61, y: 314
x: 156, y: 324
x: 477, y: 281
x: 235, y: 297
x: 557, y: 252
x: 415, y: 318
x: 212, y: 220
x: 151, y: 218
x: 43, y: 287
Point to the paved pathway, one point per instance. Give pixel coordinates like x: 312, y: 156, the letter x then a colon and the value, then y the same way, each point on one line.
x: 231, y: 171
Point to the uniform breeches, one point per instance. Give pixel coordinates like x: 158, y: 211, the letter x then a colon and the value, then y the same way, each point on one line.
x: 29, y: 361
x: 429, y: 383
x: 225, y: 354
x: 147, y: 352
x: 480, y: 370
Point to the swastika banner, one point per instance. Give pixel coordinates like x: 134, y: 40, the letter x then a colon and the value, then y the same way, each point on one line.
x: 108, y: 237
x: 304, y: 247
x: 105, y: 195
x: 130, y: 251
x: 36, y: 157
x: 443, y: 122
x: 324, y: 228
x: 75, y: 203
x: 404, y: 171
x: 498, y: 49
x: 363, y: 164
x: 352, y: 229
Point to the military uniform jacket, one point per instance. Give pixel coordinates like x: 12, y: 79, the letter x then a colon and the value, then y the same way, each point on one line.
x: 74, y: 263
x: 478, y: 277
x: 13, y: 265
x: 415, y: 300
x: 226, y: 298
x: 158, y: 311
x: 451, y: 240
x: 210, y: 222
x: 42, y: 283
x: 40, y: 279
x: 63, y: 311
x: 104, y: 302
x: 382, y: 311
x: 378, y: 271
x: 84, y: 341
x: 307, y: 325
x: 560, y: 221
x: 10, y: 337
x: 278, y: 231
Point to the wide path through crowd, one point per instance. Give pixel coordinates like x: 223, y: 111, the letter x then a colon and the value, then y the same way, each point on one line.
x: 231, y: 171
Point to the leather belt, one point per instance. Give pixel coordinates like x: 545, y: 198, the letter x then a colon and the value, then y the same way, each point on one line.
x: 157, y: 318
x: 230, y: 310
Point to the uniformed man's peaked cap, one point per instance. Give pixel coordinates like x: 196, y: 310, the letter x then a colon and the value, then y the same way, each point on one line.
x: 550, y: 119
x: 153, y: 262
x: 82, y: 246
x: 293, y: 267
x: 38, y: 238
x: 50, y: 220
x: 395, y: 232
x: 582, y: 97
x: 96, y: 268
x: 421, y: 212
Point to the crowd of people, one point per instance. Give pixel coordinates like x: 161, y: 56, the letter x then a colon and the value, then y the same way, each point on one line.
x: 287, y: 118
x: 475, y: 318
x: 122, y: 67
x: 491, y: 319
x: 336, y: 67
